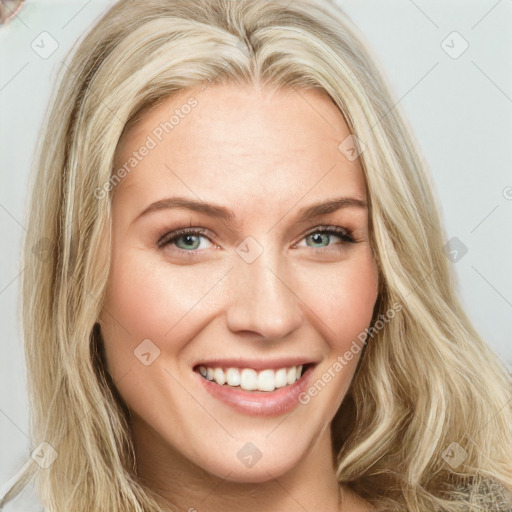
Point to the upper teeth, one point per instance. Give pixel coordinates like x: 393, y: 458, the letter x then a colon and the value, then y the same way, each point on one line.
x: 251, y: 380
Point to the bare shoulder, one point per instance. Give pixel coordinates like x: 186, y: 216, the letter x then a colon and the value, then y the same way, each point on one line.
x: 354, y: 503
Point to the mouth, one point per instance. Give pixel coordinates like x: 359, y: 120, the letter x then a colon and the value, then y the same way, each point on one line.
x: 265, y: 380
x: 256, y: 387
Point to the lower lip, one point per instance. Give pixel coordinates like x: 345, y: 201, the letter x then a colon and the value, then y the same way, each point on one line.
x: 260, y: 403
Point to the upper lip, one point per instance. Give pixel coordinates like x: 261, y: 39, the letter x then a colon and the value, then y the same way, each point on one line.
x: 256, y: 364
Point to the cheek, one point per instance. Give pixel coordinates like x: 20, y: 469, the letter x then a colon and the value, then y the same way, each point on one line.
x: 134, y: 311
x: 145, y: 301
x: 342, y: 297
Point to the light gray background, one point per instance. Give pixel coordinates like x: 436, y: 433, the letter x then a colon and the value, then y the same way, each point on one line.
x: 460, y: 109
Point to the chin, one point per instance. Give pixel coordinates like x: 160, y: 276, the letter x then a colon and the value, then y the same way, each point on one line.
x: 269, y: 466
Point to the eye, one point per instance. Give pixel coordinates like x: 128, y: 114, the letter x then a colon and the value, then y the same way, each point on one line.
x: 322, y: 235
x: 188, y: 240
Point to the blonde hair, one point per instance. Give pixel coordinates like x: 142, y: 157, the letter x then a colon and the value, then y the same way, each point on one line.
x: 426, y: 383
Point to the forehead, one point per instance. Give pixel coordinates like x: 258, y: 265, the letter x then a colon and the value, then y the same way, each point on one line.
x: 239, y: 144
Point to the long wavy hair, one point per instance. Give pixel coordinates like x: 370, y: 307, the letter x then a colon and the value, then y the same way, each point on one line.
x: 426, y: 423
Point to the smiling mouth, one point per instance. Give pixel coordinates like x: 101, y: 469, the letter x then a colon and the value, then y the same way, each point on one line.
x: 248, y: 379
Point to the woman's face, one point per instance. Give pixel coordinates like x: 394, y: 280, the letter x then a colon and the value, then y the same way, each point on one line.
x: 257, y: 285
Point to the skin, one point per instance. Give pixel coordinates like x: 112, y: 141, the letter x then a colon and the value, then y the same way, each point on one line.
x: 264, y: 154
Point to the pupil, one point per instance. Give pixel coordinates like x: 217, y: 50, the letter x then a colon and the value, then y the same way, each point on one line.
x: 317, y: 238
x: 189, y: 239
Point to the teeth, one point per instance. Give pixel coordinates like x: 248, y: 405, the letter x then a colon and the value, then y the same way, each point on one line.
x: 233, y: 377
x: 218, y: 376
x: 251, y: 380
x: 266, y: 380
x: 280, y: 379
x: 248, y: 380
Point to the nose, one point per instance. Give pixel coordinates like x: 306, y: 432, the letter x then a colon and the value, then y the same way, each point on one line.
x: 263, y: 298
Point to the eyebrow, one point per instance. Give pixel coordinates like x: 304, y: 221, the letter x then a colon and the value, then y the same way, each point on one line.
x: 225, y: 214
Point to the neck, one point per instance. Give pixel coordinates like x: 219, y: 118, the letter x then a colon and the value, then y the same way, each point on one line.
x: 309, y: 485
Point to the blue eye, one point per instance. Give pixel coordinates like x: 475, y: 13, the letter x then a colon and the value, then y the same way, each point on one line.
x: 188, y: 240
x: 323, y: 234
x: 190, y: 236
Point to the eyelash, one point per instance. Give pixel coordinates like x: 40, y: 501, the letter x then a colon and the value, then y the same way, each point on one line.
x: 343, y: 233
